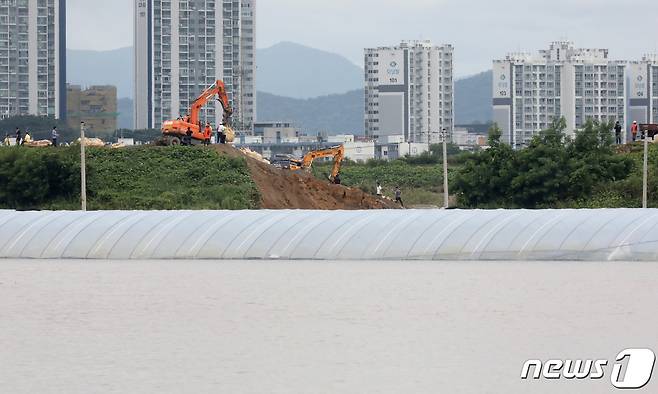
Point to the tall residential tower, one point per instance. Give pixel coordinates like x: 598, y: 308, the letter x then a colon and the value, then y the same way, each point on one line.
x: 33, y: 58
x: 643, y: 99
x: 182, y: 47
x: 409, y: 90
x: 530, y: 91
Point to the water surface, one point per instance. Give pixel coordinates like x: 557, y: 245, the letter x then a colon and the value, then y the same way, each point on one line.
x: 314, y: 327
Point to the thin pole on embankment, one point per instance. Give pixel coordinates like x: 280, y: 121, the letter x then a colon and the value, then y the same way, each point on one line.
x: 83, y: 168
x: 446, y: 193
x: 645, y: 183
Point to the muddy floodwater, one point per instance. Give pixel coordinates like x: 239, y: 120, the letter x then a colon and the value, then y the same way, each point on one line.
x: 316, y: 327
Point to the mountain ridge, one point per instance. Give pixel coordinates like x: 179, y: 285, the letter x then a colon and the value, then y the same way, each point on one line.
x: 316, y: 89
x: 297, y: 71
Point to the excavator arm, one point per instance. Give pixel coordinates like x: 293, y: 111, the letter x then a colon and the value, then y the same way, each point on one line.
x: 337, y: 152
x: 219, y: 89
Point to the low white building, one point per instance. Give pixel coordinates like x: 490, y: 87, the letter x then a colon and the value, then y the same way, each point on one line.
x: 466, y: 139
x: 390, y: 139
x: 359, y: 151
x: 397, y: 151
x: 412, y: 149
x: 643, y: 98
x: 250, y: 139
x: 276, y: 132
x: 341, y: 138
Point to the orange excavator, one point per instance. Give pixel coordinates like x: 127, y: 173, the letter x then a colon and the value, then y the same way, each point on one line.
x: 176, y: 131
x: 337, y: 152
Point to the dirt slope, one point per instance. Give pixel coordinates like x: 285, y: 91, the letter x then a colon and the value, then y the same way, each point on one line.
x: 281, y: 189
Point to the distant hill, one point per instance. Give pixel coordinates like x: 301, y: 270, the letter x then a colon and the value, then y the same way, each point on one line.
x: 473, y: 99
x: 114, y: 67
x: 293, y: 70
x: 344, y: 112
x: 335, y: 114
x: 295, y: 83
x: 285, y: 69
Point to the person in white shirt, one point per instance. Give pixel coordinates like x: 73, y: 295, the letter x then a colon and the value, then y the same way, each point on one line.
x: 54, y: 135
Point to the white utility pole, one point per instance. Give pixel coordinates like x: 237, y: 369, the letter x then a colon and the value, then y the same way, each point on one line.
x: 446, y: 194
x: 83, y: 168
x: 645, y: 184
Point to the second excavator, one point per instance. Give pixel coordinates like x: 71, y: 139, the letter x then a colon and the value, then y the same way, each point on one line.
x: 176, y: 131
x: 337, y: 152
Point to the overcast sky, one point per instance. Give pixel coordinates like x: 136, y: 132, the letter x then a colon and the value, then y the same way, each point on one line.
x: 480, y: 30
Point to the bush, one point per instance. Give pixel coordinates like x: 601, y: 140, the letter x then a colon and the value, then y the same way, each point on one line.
x: 552, y: 170
x: 32, y: 178
x: 137, y: 178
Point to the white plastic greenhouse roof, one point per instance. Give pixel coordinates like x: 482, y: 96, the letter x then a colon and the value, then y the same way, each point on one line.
x: 594, y: 235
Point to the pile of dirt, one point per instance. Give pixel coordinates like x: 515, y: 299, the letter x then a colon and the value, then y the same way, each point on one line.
x: 283, y: 189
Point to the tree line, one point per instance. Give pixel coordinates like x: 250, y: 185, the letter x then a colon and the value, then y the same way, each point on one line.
x: 554, y: 171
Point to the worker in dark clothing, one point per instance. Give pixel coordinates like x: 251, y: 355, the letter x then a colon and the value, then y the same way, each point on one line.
x: 19, y: 140
x: 618, y: 132
x: 337, y: 180
x: 188, y: 137
x: 54, y: 135
x: 398, y: 196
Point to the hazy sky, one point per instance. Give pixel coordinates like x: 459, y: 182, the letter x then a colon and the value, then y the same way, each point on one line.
x: 480, y: 30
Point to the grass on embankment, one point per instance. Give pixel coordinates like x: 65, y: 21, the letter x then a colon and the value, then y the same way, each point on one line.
x: 160, y: 178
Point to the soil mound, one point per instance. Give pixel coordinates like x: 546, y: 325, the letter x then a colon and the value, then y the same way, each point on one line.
x: 283, y: 189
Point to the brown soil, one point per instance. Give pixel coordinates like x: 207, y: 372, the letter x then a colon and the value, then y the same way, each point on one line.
x: 283, y: 189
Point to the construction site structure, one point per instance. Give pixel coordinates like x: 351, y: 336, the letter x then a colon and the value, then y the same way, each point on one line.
x: 96, y: 106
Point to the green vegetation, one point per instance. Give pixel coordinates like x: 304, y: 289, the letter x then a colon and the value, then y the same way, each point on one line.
x: 138, y: 178
x: 420, y: 178
x: 420, y: 183
x: 552, y: 172
x: 38, y: 178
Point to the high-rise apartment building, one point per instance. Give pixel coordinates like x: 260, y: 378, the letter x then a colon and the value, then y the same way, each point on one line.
x: 33, y: 58
x: 643, y: 96
x: 530, y: 91
x: 409, y: 90
x: 182, y: 47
